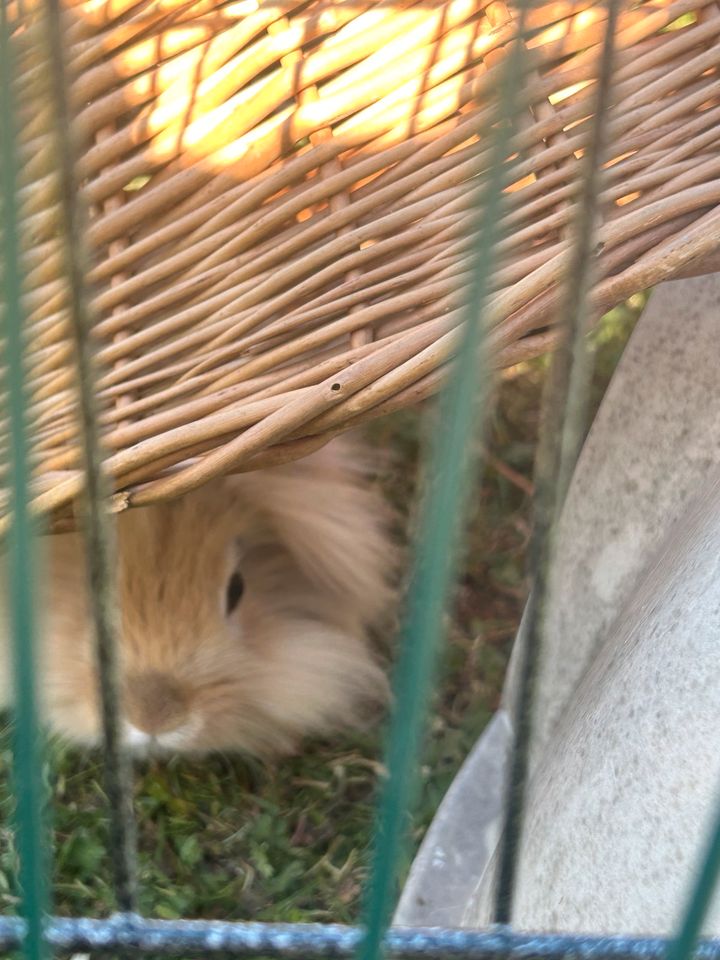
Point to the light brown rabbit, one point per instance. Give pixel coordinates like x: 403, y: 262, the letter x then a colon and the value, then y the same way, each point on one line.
x: 245, y: 609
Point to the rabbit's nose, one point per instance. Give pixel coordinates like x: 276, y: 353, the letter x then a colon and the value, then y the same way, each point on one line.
x: 154, y: 703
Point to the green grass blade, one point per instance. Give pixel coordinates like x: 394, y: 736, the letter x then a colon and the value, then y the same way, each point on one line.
x: 27, y: 766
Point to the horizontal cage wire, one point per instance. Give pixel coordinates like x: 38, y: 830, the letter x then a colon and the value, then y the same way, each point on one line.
x: 181, y: 938
x: 293, y: 227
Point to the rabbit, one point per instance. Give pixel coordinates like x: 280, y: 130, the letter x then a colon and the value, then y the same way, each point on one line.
x: 245, y: 611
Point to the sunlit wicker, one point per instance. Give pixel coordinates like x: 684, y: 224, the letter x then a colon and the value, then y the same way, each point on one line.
x: 280, y: 194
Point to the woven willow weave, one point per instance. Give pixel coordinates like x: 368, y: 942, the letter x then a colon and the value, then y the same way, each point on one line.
x: 279, y: 198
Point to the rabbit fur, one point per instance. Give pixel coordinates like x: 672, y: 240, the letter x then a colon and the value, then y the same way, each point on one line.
x: 245, y: 608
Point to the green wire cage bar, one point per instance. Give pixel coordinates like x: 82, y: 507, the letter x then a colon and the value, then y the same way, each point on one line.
x: 34, y: 57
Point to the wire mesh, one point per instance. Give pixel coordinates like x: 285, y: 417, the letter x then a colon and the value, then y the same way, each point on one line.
x: 97, y: 526
x: 564, y: 406
x: 27, y: 753
x: 183, y: 938
x: 462, y: 410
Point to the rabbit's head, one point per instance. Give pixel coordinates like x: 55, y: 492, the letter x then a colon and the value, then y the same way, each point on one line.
x: 244, y: 611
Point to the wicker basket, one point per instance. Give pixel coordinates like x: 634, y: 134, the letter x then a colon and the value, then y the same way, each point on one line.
x: 279, y: 195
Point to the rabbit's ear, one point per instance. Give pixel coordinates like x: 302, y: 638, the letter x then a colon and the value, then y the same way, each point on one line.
x: 329, y: 515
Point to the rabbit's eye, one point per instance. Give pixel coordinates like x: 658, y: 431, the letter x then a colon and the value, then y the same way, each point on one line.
x: 235, y: 590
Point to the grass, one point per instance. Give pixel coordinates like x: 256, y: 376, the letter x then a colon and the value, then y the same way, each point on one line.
x: 232, y: 839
